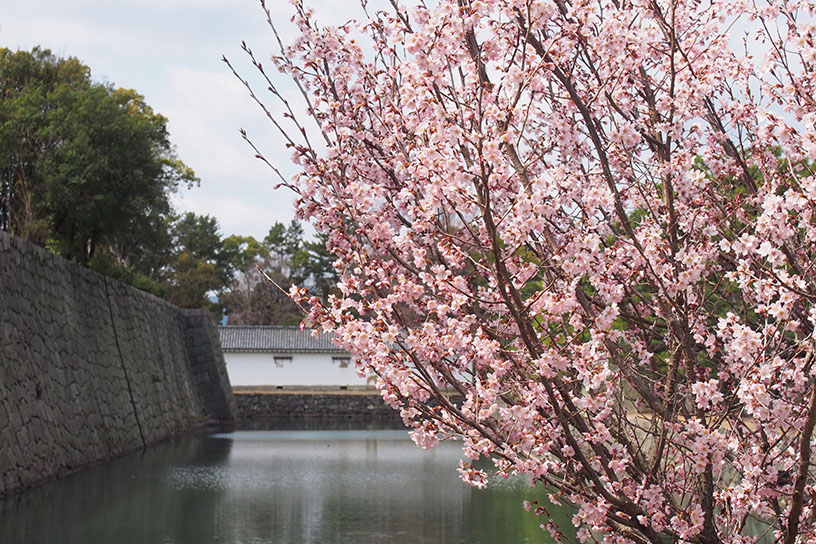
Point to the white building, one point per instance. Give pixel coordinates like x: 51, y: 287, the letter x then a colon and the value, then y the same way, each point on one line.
x: 285, y: 356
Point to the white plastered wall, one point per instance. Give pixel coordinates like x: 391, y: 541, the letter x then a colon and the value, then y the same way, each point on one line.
x: 318, y: 369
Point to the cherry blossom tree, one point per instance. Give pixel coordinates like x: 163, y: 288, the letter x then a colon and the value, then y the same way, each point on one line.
x: 579, y: 237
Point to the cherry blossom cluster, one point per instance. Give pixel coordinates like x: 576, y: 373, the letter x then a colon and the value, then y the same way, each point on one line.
x: 579, y: 236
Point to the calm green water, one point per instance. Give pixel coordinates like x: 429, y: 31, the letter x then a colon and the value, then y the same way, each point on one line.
x: 276, y: 487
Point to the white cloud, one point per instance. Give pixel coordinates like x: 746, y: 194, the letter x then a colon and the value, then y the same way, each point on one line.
x: 237, y: 213
x: 206, y: 110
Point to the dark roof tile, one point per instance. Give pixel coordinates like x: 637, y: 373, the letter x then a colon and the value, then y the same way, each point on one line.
x: 275, y: 339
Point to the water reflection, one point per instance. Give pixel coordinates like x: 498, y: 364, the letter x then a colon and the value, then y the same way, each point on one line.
x: 124, y: 501
x: 318, y: 424
x: 281, y: 487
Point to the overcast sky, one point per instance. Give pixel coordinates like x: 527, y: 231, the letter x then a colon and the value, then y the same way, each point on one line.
x: 170, y: 52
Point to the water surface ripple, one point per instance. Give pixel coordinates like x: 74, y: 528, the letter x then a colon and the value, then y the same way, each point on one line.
x: 276, y: 487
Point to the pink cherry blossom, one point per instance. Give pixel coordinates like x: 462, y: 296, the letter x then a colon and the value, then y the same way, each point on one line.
x: 579, y: 237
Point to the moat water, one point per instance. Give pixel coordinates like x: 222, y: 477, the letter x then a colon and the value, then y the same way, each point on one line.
x: 286, y: 486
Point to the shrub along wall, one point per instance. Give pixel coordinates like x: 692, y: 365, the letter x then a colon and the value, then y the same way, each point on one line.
x: 91, y: 369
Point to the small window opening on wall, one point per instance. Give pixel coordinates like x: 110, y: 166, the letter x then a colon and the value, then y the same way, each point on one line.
x: 342, y: 361
x: 280, y: 361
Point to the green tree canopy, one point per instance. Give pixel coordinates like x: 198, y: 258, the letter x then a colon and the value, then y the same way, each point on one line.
x: 87, y: 170
x: 200, y: 264
x: 82, y: 165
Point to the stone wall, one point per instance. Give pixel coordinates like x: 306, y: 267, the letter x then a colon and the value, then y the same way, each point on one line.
x: 91, y: 369
x: 256, y: 409
x: 340, y: 405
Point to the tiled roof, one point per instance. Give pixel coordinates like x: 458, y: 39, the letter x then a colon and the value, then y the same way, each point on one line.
x: 275, y: 339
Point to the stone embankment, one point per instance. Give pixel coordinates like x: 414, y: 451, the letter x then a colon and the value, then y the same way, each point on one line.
x: 321, y: 404
x: 91, y: 369
x: 258, y: 404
